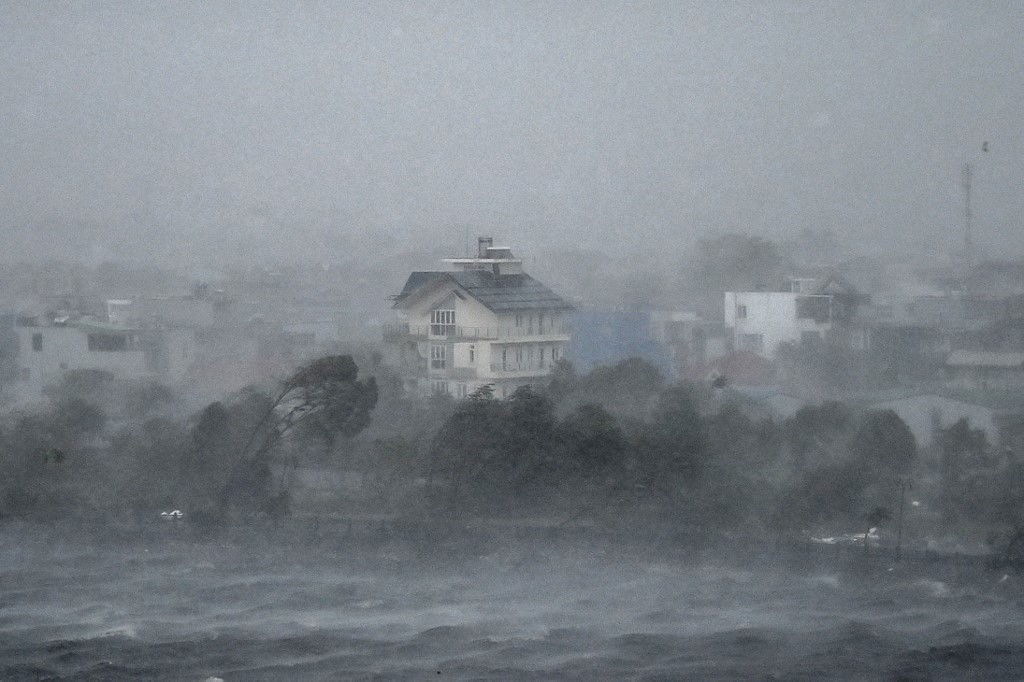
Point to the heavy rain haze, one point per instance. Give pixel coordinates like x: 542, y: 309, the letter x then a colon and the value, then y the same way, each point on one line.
x: 186, y: 133
x: 522, y: 340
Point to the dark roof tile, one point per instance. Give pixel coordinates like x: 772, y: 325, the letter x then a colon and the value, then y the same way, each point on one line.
x: 501, y: 293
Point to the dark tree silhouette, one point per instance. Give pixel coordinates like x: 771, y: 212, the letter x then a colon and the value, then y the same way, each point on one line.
x: 326, y: 389
x: 884, y: 441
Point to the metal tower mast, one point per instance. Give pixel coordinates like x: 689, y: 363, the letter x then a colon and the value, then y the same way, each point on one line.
x: 965, y: 181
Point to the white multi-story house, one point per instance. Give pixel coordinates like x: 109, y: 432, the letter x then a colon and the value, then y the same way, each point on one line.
x: 482, y: 322
x: 805, y: 311
x: 45, y: 351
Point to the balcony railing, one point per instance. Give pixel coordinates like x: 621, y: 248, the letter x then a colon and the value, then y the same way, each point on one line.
x: 442, y: 331
x: 519, y: 367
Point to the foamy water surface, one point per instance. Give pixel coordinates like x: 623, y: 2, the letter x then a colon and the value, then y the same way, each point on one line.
x: 178, y: 608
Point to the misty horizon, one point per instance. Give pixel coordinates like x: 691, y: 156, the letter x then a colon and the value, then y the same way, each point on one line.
x: 196, y: 134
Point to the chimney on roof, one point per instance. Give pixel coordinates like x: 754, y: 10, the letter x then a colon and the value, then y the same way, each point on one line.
x: 482, y: 244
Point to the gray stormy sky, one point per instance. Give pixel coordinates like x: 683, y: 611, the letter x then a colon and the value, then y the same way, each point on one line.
x: 199, y: 131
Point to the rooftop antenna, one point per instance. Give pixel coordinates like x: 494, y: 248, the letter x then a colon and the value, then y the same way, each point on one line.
x: 965, y: 182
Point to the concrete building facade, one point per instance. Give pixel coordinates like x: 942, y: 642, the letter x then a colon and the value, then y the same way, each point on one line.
x: 805, y: 311
x: 45, y: 352
x: 482, y: 322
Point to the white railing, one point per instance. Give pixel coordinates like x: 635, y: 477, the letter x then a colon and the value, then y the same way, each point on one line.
x: 440, y: 331
x: 509, y: 367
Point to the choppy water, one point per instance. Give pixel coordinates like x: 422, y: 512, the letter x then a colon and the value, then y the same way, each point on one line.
x: 182, y: 609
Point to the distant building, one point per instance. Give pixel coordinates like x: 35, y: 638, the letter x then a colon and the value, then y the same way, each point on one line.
x: 483, y: 322
x: 613, y: 336
x: 692, y: 342
x: 986, y: 369
x: 48, y: 349
x: 804, y: 311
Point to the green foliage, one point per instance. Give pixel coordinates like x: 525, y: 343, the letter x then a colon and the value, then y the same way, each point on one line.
x: 46, y: 460
x: 563, y: 380
x: 826, y: 494
x: 324, y: 397
x: 818, y: 432
x: 967, y: 479
x: 877, y: 516
x: 632, y: 376
x: 671, y: 450
x: 485, y: 392
x: 531, y: 427
x: 590, y: 441
x: 93, y: 385
x: 614, y: 442
x: 142, y: 398
x: 884, y: 441
x: 962, y: 448
x: 625, y: 389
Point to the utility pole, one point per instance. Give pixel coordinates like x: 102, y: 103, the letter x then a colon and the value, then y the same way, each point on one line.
x: 965, y: 182
x: 966, y: 178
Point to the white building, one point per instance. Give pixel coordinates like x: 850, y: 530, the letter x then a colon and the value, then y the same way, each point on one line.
x: 46, y: 351
x: 805, y: 312
x: 973, y: 369
x: 483, y: 322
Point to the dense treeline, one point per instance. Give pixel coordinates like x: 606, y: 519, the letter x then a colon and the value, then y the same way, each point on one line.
x: 231, y: 456
x: 616, y: 446
x: 620, y: 442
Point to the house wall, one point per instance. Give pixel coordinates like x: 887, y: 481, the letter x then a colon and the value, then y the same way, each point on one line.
x: 469, y: 313
x: 168, y: 355
x: 66, y: 348
x: 520, y: 335
x: 177, y: 349
x: 772, y: 315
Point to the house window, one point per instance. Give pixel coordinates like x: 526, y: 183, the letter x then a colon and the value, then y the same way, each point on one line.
x: 107, y: 342
x: 519, y: 320
x: 555, y: 353
x: 542, y: 357
x: 37, y: 342
x: 519, y: 354
x: 461, y: 391
x: 753, y: 343
x: 741, y: 312
x: 437, y: 356
x: 810, y: 338
x: 442, y: 322
x: 472, y: 354
x: 817, y: 308
x: 439, y: 387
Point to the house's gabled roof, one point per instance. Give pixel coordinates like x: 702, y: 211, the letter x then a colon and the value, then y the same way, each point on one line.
x: 499, y: 293
x: 417, y: 280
